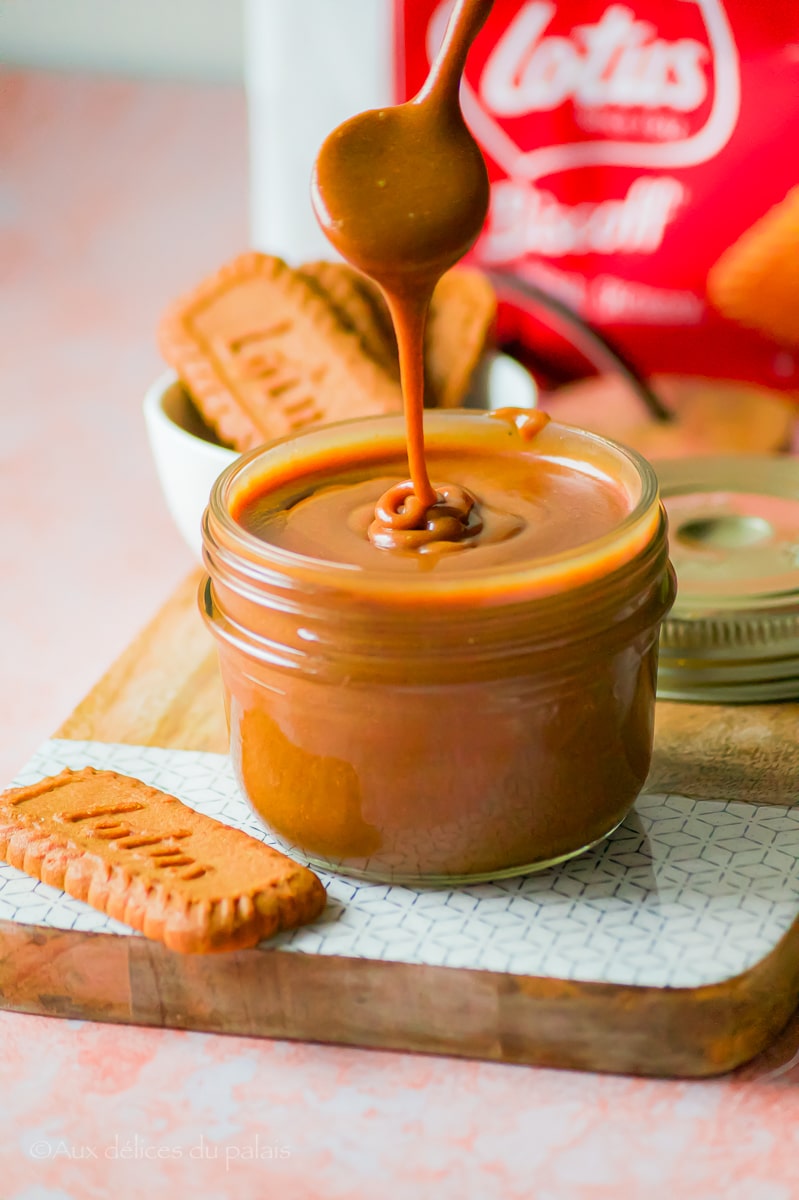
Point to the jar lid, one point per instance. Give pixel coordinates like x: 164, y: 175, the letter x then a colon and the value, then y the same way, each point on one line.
x: 733, y: 633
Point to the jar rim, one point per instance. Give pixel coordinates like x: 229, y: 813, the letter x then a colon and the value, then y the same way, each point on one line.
x: 535, y: 577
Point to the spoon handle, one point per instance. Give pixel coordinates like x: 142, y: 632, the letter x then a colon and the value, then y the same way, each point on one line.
x: 465, y: 22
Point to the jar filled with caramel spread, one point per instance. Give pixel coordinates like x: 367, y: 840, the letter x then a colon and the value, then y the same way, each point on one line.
x: 467, y: 706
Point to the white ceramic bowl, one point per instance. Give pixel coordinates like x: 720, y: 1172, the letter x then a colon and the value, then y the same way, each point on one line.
x: 188, y: 460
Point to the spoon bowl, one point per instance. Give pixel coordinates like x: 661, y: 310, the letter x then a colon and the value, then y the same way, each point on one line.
x: 401, y: 193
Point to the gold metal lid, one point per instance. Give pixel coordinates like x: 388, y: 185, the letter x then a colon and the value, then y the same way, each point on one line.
x: 733, y: 633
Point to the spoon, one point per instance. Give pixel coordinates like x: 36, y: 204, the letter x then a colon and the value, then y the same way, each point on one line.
x: 402, y: 194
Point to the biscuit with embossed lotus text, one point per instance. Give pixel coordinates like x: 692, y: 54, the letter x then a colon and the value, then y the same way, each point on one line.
x: 264, y: 355
x: 145, y: 858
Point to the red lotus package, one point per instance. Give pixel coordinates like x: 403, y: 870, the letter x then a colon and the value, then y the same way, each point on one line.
x: 642, y: 158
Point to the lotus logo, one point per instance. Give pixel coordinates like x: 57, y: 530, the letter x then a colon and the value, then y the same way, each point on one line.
x: 648, y: 84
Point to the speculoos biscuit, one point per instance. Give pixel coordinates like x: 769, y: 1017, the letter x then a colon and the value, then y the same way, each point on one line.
x: 145, y: 858
x: 459, y: 328
x: 264, y: 354
x: 359, y: 305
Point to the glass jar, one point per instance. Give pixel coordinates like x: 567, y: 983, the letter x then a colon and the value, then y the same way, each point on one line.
x: 430, y: 726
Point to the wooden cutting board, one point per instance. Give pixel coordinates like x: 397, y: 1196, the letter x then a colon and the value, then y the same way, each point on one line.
x: 164, y: 691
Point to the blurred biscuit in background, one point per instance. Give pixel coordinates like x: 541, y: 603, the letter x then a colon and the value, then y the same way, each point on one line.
x: 459, y: 330
x: 756, y: 280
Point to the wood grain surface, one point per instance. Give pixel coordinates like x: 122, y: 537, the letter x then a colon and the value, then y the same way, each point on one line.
x: 165, y: 691
x: 364, y: 1002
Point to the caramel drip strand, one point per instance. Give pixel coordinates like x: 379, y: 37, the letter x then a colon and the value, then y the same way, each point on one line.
x: 403, y: 522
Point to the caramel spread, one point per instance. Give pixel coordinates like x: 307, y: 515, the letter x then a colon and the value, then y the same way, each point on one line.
x: 409, y: 715
x: 527, y: 507
x: 402, y: 194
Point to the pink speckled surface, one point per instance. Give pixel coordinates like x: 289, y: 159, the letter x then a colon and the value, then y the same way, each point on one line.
x: 114, y: 196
